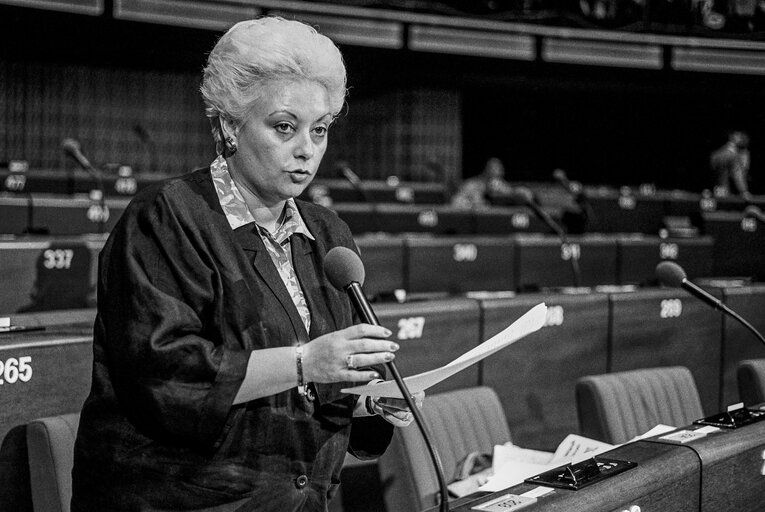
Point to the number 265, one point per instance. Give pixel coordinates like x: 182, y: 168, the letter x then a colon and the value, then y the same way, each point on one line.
x: 13, y: 370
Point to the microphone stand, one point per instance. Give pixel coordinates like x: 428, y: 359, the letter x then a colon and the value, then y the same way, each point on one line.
x: 366, y: 313
x: 573, y: 259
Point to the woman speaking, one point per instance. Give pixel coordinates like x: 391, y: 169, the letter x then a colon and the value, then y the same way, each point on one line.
x: 220, y: 348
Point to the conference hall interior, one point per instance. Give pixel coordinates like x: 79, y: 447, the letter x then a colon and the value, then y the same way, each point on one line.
x: 567, y: 194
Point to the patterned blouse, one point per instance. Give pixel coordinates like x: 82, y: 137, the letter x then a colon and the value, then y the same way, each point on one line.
x: 277, y: 243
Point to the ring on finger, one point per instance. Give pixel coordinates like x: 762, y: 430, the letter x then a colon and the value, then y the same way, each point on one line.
x: 349, y: 362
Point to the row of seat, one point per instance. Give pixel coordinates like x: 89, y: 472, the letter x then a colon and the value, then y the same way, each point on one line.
x: 584, y: 334
x: 609, y: 212
x: 48, y: 273
x: 612, y: 408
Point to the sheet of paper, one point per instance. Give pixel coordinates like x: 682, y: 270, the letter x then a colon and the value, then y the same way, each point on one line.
x: 531, y: 321
x: 512, y: 474
x: 575, y: 448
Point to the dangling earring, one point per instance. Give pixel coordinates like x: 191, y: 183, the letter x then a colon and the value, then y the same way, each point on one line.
x: 230, y: 146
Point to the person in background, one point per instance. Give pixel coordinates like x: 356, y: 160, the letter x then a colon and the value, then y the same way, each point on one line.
x: 730, y: 165
x: 220, y: 347
x: 485, y: 188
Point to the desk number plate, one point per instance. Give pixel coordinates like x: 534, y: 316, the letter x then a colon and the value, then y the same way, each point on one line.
x: 504, y: 503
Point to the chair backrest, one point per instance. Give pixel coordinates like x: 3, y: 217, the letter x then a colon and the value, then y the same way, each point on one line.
x: 460, y: 422
x: 616, y: 407
x: 50, y: 445
x: 751, y: 381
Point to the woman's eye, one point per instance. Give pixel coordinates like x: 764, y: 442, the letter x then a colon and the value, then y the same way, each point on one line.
x: 284, y: 128
x: 320, y: 130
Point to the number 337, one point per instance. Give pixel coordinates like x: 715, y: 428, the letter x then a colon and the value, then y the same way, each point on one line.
x: 13, y: 370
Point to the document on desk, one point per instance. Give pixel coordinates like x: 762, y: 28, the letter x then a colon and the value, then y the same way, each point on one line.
x: 530, y: 322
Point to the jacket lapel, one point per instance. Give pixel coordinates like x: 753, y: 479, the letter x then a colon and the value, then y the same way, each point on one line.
x: 250, y: 241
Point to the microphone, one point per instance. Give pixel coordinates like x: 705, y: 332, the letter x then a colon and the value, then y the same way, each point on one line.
x: 72, y: 148
x: 149, y: 144
x: 561, y: 177
x: 753, y: 212
x: 526, y: 197
x: 345, y: 271
x: 343, y: 168
x: 575, y: 189
x: 671, y: 274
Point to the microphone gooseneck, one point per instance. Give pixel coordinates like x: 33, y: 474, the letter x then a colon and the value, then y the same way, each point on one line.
x: 351, y: 177
x: 345, y: 271
x: 671, y: 274
x: 72, y: 148
x: 526, y: 197
x: 753, y: 212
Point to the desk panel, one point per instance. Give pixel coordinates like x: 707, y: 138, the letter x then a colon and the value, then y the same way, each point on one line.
x: 48, y: 273
x: 731, y: 468
x: 639, y: 255
x: 383, y: 259
x: 535, y: 376
x: 394, y: 218
x: 738, y: 342
x: 542, y: 262
x: 663, y: 327
x: 58, y: 363
x: 739, y: 244
x: 499, y: 220
x: 613, y: 212
x: 459, y: 264
x: 432, y: 334
x: 59, y: 215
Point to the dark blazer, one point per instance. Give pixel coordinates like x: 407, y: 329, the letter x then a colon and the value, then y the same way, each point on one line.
x: 182, y: 301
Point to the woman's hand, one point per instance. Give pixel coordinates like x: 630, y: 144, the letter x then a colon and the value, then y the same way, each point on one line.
x: 395, y: 410
x: 345, y: 355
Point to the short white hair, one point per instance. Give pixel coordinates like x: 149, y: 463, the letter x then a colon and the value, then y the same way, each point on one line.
x: 255, y: 52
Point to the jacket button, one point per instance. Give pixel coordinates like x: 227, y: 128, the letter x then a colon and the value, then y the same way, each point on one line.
x: 301, y: 481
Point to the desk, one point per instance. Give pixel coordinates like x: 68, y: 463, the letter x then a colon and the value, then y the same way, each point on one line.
x: 48, y: 273
x: 432, y: 334
x: 459, y: 264
x: 639, y: 255
x: 665, y: 479
x: 732, y: 463
x: 73, y: 215
x: 542, y: 262
x: 667, y: 327
x: 535, y: 376
x: 737, y: 342
x: 54, y: 369
x: 614, y: 212
x: 739, y: 244
x: 383, y: 258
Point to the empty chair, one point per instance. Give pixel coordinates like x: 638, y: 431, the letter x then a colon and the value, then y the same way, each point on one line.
x: 616, y: 407
x: 751, y: 381
x: 461, y: 422
x: 50, y: 444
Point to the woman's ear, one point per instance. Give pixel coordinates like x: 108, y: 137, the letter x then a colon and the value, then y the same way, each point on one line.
x: 228, y: 129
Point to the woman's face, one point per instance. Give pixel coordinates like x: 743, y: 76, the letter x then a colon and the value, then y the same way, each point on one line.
x: 282, y: 141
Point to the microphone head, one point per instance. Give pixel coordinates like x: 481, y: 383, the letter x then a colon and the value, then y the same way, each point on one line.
x: 670, y: 273
x: 70, y: 145
x: 752, y: 212
x: 343, y: 267
x: 522, y: 195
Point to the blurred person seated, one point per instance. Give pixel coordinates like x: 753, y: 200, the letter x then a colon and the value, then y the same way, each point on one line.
x: 730, y: 165
x: 489, y: 187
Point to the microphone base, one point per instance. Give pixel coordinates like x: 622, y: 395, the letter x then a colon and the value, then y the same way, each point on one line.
x: 733, y: 419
